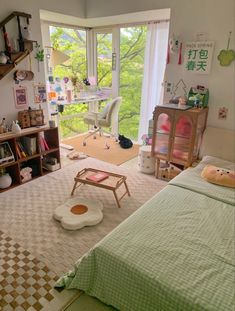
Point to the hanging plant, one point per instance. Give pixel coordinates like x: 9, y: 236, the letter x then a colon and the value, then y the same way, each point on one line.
x: 226, y: 57
x: 39, y: 55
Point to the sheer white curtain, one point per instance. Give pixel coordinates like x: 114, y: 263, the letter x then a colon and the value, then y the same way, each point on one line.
x: 154, y: 69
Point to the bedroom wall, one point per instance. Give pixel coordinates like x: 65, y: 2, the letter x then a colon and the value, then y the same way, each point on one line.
x: 70, y: 7
x: 213, y: 17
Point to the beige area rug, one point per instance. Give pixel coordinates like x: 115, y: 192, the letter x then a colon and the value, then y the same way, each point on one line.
x: 96, y: 148
x: 26, y: 214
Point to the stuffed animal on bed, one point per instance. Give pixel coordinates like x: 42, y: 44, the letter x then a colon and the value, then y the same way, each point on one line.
x: 219, y: 176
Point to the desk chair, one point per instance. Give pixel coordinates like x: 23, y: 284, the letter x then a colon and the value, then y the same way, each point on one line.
x: 103, y: 119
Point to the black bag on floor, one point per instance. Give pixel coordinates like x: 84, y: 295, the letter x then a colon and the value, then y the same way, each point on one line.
x: 125, y: 142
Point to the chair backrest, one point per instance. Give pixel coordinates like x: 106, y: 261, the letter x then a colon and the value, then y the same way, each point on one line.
x: 113, y: 110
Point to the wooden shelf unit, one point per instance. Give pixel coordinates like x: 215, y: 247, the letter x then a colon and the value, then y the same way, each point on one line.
x: 34, y: 161
x: 177, y: 135
x: 16, y: 57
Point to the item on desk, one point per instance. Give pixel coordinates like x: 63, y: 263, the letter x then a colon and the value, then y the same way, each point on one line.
x: 69, y: 96
x: 86, y: 81
x: 66, y: 79
x: 97, y: 177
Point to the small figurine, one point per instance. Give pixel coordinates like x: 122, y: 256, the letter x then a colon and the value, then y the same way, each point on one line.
x: 3, y: 58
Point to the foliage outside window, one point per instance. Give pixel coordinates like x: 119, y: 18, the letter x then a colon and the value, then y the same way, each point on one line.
x: 73, y: 43
x: 132, y: 46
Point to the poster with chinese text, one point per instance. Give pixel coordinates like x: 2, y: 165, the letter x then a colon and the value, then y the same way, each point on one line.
x: 198, y: 56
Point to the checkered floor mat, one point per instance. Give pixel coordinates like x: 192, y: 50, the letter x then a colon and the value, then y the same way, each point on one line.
x: 25, y: 282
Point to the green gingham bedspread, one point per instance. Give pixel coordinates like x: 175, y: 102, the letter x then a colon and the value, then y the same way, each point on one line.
x: 175, y: 253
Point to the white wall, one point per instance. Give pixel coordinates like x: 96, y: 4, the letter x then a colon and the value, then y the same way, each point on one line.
x: 214, y: 17
x: 70, y: 7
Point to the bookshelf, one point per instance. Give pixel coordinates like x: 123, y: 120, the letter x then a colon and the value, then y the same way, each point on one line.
x: 31, y: 148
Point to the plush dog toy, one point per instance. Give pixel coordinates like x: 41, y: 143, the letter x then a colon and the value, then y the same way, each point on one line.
x: 219, y: 176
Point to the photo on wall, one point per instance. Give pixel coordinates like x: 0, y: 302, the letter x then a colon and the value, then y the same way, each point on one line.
x: 40, y: 93
x: 20, y: 97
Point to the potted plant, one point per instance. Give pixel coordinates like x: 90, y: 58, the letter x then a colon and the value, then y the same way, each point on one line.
x: 5, y: 179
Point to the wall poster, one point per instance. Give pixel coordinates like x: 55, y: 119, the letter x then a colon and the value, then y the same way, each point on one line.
x: 40, y: 93
x: 20, y: 96
x: 198, y: 56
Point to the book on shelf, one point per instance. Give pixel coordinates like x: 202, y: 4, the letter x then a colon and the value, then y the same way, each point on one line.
x: 97, y: 177
x: 23, y: 152
x: 43, y: 143
x: 18, y: 151
x: 30, y: 145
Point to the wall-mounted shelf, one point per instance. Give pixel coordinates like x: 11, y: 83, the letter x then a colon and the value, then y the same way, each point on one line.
x: 17, y: 57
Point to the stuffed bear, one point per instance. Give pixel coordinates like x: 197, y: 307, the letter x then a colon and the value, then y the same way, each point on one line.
x: 219, y: 176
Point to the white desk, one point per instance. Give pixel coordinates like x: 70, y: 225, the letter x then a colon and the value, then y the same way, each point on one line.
x: 91, y: 99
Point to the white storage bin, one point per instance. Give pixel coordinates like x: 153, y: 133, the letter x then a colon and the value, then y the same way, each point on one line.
x: 146, y: 163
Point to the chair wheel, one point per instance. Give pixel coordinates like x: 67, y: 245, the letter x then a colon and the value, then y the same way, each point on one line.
x: 84, y: 143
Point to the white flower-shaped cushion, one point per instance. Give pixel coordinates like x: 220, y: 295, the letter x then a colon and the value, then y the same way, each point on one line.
x: 77, y: 213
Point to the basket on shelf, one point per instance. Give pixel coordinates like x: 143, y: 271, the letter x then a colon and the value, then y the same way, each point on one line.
x: 31, y: 117
x: 24, y: 119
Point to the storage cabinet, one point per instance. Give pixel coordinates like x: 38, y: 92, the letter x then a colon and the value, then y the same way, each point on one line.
x: 177, y: 135
x: 29, y: 151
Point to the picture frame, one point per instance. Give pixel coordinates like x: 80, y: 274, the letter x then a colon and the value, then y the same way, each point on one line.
x: 40, y: 93
x: 20, y: 97
x: 6, y: 154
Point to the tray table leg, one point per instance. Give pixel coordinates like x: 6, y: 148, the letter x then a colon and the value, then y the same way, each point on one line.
x: 116, y: 198
x: 75, y: 187
x: 127, y: 189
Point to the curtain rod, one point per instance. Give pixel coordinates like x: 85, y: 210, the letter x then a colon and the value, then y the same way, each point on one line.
x: 105, y: 26
x: 131, y: 24
x: 64, y: 25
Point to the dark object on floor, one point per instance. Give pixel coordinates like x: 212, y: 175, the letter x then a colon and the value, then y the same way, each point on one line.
x: 125, y: 142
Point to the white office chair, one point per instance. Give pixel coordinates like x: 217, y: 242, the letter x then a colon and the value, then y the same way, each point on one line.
x: 103, y: 119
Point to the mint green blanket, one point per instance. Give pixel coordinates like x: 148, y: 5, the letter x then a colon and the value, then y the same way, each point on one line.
x: 175, y: 253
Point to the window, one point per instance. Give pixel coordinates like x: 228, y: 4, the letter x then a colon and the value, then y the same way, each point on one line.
x: 70, y: 75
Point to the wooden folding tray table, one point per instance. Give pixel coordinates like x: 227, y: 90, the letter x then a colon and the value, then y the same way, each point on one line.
x: 113, y: 182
